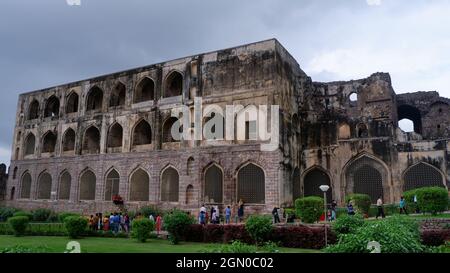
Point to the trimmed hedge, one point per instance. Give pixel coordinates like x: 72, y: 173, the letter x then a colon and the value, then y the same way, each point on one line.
x: 429, y: 199
x: 361, y: 202
x: 19, y: 224
x: 292, y: 236
x: 6, y: 212
x: 76, y: 226
x: 309, y: 209
x: 24, y: 213
x: 259, y: 227
x: 142, y: 229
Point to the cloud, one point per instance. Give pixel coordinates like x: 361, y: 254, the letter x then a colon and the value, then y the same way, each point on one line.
x: 373, y: 2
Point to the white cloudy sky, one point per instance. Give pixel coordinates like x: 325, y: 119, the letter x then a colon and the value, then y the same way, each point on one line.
x: 47, y: 42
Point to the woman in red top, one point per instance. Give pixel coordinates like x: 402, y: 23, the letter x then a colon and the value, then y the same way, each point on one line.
x: 158, y: 224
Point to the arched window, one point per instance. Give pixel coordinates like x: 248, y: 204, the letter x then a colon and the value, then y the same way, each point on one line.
x: 33, y: 110
x: 174, y: 85
x: 139, y: 186
x: 44, y: 187
x: 65, y: 182
x: 145, y: 91
x: 49, y: 142
x: 213, y: 184
x: 251, y: 184
x: 91, y: 141
x: 411, y: 113
x: 296, y: 186
x: 190, y: 195
x: 52, y: 107
x: 312, y: 182
x: 190, y: 166
x: 69, y: 140
x: 17, y: 155
x: 167, y: 130
x: 94, y: 99
x: 15, y: 172
x: 142, y: 134
x: 366, y: 176
x: 118, y: 95
x: 72, y: 103
x: 13, y: 193
x: 30, y: 144
x: 362, y: 130
x: 115, y: 136
x: 87, y: 186
x: 25, y: 188
x: 170, y: 185
x: 112, y: 185
x: 422, y: 175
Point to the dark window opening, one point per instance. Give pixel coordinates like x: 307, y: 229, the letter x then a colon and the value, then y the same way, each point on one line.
x: 167, y: 130
x: 72, y: 103
x: 118, y: 96
x: 140, y: 186
x: 112, y: 185
x: 251, y: 185
x: 95, y: 99
x: 49, y: 143
x: 64, y: 186
x: 69, y: 140
x: 44, y: 187
x: 170, y: 185
x: 52, y: 107
x: 145, y: 91
x: 422, y: 175
x: 413, y: 114
x: 142, y: 134
x: 33, y: 112
x: 91, y: 144
x: 174, y: 85
x: 312, y: 182
x: 115, y: 136
x: 30, y: 144
x: 87, y: 186
x: 214, y: 185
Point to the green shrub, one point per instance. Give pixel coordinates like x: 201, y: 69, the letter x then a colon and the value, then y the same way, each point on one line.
x: 411, y: 207
x: 259, y: 227
x: 76, y: 226
x: 142, y: 229
x: 24, y: 249
x: 24, y: 213
x: 41, y: 215
x: 348, y: 224
x: 6, y: 212
x: 309, y: 209
x: 432, y: 199
x: 361, y: 202
x: 19, y: 224
x: 62, y: 216
x: 395, y: 235
x: 53, y: 217
x: 177, y: 223
x: 150, y: 210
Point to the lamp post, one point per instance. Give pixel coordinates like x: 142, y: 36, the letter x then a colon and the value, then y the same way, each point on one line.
x: 325, y: 188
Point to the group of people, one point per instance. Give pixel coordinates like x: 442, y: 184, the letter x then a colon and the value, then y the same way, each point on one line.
x: 115, y: 222
x: 212, y: 216
x: 119, y: 222
x: 380, y: 208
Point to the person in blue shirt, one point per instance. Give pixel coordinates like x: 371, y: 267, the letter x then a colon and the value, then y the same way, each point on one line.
x: 228, y: 215
x: 403, y: 206
x: 350, y: 210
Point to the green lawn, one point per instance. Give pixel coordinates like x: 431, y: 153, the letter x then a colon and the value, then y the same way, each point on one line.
x: 115, y: 245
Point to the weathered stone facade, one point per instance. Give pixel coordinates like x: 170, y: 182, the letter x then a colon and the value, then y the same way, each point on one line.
x: 78, y: 144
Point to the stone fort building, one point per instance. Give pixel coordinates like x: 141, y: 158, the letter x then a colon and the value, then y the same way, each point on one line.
x: 79, y: 144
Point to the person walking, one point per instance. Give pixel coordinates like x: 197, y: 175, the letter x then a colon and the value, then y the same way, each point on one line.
x: 276, y: 216
x: 350, y: 209
x: 228, y: 215
x: 333, y: 210
x: 158, y: 224
x: 127, y: 223
x: 380, y: 210
x: 402, y: 206
x: 241, y: 213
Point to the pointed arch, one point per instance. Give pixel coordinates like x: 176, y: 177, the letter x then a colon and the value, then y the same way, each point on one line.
x: 144, y: 91
x: 173, y: 84
x: 190, y: 195
x: 367, y: 174
x: 52, y: 107
x: 118, y: 95
x: 44, y: 189
x: 142, y: 133
x: 65, y: 182
x: 167, y: 130
x: 30, y: 144
x: 112, y: 184
x: 33, y: 110
x: 251, y: 186
x: 25, y: 186
x: 139, y: 185
x: 49, y: 142
x: 170, y: 182
x: 72, y: 103
x: 190, y: 166
x: 94, y: 101
x: 422, y: 175
x: 88, y: 182
x: 115, y: 136
x: 313, y: 178
x: 213, y: 176
x: 91, y: 141
x: 69, y: 140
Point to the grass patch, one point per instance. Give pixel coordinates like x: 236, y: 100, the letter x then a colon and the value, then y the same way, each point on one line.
x: 115, y: 245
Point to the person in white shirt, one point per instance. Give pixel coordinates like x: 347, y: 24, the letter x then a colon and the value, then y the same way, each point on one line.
x: 380, y: 211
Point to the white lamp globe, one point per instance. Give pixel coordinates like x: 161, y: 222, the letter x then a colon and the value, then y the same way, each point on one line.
x: 324, y: 188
